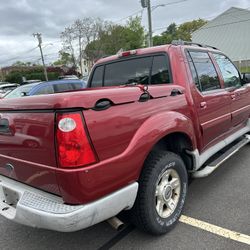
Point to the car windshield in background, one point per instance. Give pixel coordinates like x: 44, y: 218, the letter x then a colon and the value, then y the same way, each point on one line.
x: 5, y: 89
x: 21, y: 91
x: 62, y: 87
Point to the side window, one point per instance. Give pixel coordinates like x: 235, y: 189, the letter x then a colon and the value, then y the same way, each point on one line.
x: 160, y: 71
x: 207, y: 75
x: 76, y: 85
x: 128, y: 71
x: 97, y: 77
x: 45, y: 90
x: 193, y: 72
x: 62, y: 87
x: 228, y: 70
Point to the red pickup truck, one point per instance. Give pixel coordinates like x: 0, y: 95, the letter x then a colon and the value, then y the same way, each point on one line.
x: 149, y: 119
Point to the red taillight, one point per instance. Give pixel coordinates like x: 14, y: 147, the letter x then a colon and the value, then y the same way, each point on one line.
x: 73, y: 146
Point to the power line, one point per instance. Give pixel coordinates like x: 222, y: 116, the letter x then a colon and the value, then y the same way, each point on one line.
x: 153, y: 8
x: 230, y: 13
x: 224, y: 24
x: 131, y: 15
x: 166, y: 4
x: 18, y: 57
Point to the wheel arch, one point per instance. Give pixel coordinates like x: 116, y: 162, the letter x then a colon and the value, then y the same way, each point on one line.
x: 178, y: 143
x: 171, y: 131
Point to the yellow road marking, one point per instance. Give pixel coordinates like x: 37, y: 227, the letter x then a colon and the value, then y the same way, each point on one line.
x: 243, y: 238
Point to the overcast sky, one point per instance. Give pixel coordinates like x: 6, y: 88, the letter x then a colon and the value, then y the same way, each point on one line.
x: 20, y: 18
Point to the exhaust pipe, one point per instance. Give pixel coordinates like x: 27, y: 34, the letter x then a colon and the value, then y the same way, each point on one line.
x: 116, y: 223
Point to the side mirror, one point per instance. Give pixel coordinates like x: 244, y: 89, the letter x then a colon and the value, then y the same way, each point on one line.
x: 245, y: 78
x: 23, y: 94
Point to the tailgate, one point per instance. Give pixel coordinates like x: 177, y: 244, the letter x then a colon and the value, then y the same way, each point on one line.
x: 27, y: 151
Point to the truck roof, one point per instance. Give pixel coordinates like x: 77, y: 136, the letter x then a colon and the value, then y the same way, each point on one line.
x: 161, y: 48
x: 140, y: 51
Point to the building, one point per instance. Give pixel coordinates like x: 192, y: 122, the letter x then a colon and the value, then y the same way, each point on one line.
x: 229, y: 32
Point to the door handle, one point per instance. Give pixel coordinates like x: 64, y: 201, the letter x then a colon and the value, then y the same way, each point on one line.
x: 203, y: 105
x: 102, y: 104
x: 233, y: 97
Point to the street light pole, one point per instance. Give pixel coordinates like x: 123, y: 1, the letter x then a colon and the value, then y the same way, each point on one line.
x: 150, y: 35
x: 147, y: 4
x: 39, y: 38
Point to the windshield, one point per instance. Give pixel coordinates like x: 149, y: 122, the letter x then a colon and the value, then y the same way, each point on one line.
x: 6, y: 88
x: 20, y: 91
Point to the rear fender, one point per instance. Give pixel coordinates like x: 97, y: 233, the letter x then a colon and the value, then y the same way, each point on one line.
x: 83, y: 185
x: 157, y: 127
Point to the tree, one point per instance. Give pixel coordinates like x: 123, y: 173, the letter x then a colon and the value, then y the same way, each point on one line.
x: 67, y: 37
x: 77, y: 36
x: 21, y: 64
x: 183, y: 32
x: 114, y: 37
x: 64, y: 59
x: 167, y: 36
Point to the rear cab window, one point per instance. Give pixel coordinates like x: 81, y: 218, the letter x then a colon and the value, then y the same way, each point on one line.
x: 160, y: 70
x: 97, y: 78
x: 127, y: 72
x: 148, y: 69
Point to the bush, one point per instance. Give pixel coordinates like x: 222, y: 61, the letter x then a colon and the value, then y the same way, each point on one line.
x: 17, y: 76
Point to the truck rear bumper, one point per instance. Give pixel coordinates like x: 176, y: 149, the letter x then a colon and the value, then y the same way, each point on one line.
x: 32, y: 207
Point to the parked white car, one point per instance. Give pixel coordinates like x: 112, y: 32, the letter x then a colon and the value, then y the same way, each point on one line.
x: 4, y: 88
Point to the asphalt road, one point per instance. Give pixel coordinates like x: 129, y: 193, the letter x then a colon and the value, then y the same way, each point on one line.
x: 222, y: 199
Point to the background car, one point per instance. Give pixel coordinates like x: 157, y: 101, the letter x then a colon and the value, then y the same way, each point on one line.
x: 4, y: 83
x: 42, y: 88
x: 7, y: 87
x: 30, y: 81
x: 69, y: 77
x: 85, y: 78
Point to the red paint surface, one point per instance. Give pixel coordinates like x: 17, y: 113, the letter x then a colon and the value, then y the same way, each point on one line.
x: 122, y: 136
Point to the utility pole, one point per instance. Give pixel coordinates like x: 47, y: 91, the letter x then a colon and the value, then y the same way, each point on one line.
x: 150, y: 35
x: 80, y: 48
x: 39, y: 38
x: 147, y: 4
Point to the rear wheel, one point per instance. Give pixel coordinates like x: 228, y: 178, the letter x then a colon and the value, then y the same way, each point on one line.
x: 162, y: 192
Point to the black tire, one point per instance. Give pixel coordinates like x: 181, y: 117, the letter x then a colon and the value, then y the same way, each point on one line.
x: 144, y: 212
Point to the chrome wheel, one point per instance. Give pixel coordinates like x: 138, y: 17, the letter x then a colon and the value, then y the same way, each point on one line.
x: 167, y: 193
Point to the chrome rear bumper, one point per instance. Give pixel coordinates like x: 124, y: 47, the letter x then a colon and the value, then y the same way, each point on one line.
x: 35, y: 208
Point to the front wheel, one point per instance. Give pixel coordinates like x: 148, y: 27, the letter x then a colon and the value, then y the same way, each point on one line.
x: 162, y: 193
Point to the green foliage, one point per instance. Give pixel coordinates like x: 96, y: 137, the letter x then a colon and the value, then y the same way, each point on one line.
x: 65, y: 58
x: 244, y: 69
x: 134, y: 34
x: 115, y: 37
x: 16, y: 76
x: 182, y: 32
x: 20, y: 64
x: 186, y: 29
